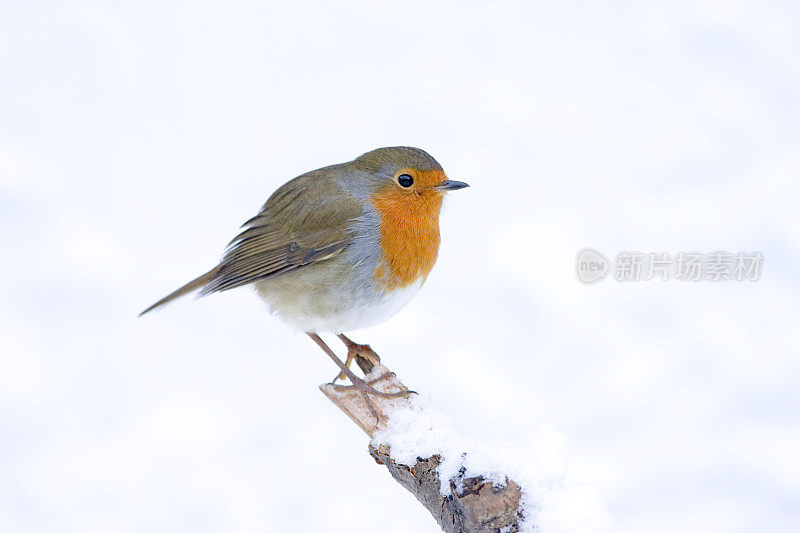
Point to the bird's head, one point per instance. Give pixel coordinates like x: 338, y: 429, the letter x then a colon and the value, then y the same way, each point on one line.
x: 405, y: 174
x: 405, y: 186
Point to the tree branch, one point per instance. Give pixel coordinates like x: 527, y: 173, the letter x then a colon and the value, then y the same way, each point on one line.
x: 472, y: 504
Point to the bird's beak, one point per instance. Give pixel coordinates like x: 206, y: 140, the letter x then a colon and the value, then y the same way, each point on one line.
x: 450, y: 185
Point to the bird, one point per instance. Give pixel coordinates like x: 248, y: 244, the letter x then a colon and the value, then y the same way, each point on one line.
x: 339, y: 248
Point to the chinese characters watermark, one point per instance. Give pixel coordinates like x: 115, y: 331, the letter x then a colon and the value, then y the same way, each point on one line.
x: 592, y: 266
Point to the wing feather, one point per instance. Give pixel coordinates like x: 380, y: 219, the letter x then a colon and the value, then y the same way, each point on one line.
x: 304, y: 222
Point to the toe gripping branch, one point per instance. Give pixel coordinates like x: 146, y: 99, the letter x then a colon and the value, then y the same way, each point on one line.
x: 369, y: 411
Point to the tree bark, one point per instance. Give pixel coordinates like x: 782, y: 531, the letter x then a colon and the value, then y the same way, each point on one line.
x: 472, y: 505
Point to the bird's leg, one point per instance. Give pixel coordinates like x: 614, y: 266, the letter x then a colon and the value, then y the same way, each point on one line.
x: 354, y: 349
x: 357, y: 383
x: 366, y: 352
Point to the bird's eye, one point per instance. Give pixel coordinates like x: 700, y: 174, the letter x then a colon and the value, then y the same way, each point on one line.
x: 405, y: 180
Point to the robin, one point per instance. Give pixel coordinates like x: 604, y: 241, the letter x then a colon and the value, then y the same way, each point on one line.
x: 340, y: 248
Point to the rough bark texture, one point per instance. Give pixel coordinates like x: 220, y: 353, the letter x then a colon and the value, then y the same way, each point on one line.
x: 472, y: 505
x: 478, y: 507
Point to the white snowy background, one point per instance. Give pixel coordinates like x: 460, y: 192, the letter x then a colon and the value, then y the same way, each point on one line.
x: 135, y: 137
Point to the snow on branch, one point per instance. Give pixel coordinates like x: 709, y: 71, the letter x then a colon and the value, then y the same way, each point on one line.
x: 466, y: 484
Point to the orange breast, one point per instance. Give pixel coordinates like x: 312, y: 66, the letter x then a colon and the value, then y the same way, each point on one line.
x: 409, y: 235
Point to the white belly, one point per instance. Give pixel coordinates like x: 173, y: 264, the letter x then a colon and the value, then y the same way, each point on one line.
x: 335, y: 310
x: 363, y: 314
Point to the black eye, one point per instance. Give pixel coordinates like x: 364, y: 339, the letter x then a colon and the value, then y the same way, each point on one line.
x: 405, y: 180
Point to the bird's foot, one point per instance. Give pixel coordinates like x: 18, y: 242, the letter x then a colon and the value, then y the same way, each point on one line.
x: 365, y: 387
x: 353, y: 350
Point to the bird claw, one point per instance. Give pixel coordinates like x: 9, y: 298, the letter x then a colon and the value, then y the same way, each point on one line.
x: 365, y: 388
x: 354, y: 350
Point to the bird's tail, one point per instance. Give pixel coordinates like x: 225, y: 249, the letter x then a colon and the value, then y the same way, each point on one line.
x: 192, y: 286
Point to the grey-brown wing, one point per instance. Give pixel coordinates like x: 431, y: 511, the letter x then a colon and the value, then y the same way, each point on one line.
x: 303, y: 222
